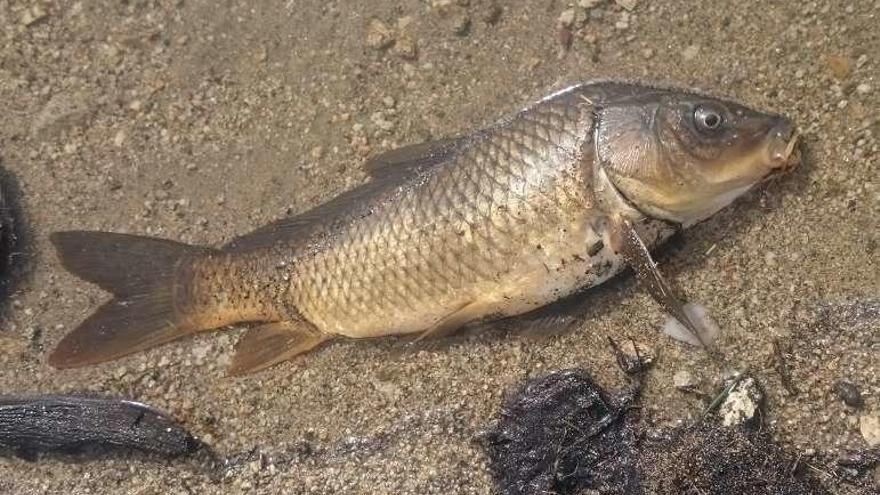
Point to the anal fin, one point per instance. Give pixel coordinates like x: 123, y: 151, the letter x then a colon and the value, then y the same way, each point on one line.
x: 450, y: 323
x: 552, y: 319
x: 272, y: 343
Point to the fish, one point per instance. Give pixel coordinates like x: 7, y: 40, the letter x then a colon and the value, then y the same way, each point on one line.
x: 489, y: 224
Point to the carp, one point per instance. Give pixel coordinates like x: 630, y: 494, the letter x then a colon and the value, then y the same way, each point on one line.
x: 490, y: 224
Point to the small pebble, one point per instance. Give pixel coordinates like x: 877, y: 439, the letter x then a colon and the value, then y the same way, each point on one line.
x: 869, y: 426
x: 405, y: 47
x: 379, y: 35
x: 566, y: 18
x: 383, y: 123
x: 691, y: 52
x: 840, y: 66
x: 492, y: 14
x: 36, y: 14
x: 863, y: 88
x: 461, y: 25
x: 200, y: 352
x: 742, y: 407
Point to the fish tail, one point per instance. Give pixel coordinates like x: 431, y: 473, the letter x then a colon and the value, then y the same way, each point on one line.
x: 141, y: 273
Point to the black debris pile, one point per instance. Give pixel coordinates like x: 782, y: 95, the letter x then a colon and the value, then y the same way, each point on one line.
x: 560, y: 433
x: 711, y: 459
x: 55, y: 424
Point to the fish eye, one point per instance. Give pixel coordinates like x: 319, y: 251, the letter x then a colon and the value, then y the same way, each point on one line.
x: 707, y: 118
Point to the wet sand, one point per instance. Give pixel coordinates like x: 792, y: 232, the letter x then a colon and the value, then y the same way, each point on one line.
x: 197, y: 121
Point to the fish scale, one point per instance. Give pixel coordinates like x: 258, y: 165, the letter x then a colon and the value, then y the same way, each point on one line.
x: 511, y: 190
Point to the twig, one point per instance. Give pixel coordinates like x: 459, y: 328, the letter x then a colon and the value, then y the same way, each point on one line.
x: 723, y: 395
x: 782, y: 368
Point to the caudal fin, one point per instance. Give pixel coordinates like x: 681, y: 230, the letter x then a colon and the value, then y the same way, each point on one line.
x: 141, y: 274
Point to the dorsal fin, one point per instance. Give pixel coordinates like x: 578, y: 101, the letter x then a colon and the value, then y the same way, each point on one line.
x: 389, y: 171
x: 413, y: 156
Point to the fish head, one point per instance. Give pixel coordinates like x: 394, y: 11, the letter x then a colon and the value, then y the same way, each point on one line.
x: 681, y: 156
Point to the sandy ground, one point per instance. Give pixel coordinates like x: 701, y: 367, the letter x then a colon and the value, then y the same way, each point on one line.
x: 199, y: 120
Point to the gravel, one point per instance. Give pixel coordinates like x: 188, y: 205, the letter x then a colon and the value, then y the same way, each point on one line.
x: 246, y: 92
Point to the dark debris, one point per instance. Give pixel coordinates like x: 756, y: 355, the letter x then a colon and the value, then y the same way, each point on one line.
x: 562, y: 434
x: 709, y: 459
x: 55, y: 424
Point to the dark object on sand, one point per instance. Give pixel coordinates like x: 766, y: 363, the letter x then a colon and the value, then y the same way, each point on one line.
x: 562, y: 434
x: 31, y: 425
x: 711, y: 459
x: 849, y: 393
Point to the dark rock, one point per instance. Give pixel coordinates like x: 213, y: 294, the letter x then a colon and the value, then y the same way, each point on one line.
x: 849, y: 393
x: 58, y: 424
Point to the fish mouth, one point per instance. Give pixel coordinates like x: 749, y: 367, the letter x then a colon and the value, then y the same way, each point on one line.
x: 783, y: 152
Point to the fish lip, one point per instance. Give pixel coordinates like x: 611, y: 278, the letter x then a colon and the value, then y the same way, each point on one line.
x: 783, y: 152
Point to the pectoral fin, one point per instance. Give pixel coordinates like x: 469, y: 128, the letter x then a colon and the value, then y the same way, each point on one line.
x: 626, y: 240
x: 273, y: 343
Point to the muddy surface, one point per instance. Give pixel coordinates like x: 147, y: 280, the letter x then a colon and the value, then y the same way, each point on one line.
x: 198, y: 121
